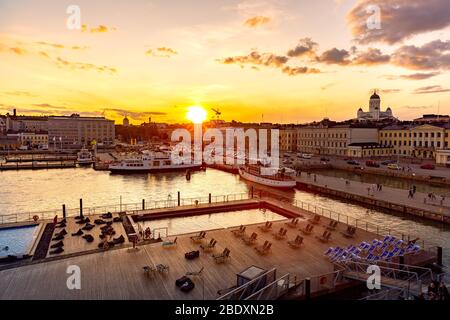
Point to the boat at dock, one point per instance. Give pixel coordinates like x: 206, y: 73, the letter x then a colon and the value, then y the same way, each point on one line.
x: 271, y: 177
x: 151, y: 161
x: 84, y: 157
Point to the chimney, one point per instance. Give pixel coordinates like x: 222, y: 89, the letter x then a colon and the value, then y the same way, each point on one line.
x: 14, y: 112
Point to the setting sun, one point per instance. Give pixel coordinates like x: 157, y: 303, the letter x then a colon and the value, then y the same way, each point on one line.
x: 196, y: 114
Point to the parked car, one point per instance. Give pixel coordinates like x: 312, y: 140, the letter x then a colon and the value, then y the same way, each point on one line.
x: 307, y: 155
x: 371, y: 163
x: 388, y: 162
x: 353, y: 162
x: 323, y: 159
x: 394, y: 166
x: 428, y: 166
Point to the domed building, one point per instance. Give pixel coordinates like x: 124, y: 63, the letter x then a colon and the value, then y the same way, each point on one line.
x: 126, y: 122
x: 375, y: 113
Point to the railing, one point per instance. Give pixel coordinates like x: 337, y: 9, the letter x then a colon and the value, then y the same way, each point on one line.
x: 136, y: 208
x: 388, y: 294
x: 250, y: 287
x: 273, y: 290
x: 123, y: 207
x: 341, y: 217
x: 403, y: 278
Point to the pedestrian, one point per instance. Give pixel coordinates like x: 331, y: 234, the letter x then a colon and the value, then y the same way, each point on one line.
x: 368, y: 190
x: 414, y: 188
x: 432, y: 291
x: 381, y: 187
x: 443, y: 291
x: 442, y: 200
x: 315, y: 178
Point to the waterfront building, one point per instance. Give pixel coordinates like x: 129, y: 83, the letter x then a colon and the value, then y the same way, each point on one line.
x: 416, y: 140
x: 9, y: 143
x: 375, y: 113
x: 431, y: 118
x: 75, y: 131
x: 328, y: 138
x: 31, y: 139
x: 288, y: 139
x: 443, y: 157
x: 17, y: 123
x: 371, y: 149
x: 2, y: 124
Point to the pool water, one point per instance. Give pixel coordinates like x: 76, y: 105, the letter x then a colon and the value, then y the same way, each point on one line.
x: 17, y: 241
x: 212, y: 221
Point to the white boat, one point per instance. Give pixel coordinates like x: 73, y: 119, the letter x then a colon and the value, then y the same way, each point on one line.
x: 85, y: 157
x: 150, y: 162
x: 270, y: 177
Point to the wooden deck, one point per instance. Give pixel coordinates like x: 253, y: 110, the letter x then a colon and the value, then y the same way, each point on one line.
x: 118, y: 274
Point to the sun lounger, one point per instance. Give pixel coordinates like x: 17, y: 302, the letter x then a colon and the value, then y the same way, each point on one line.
x: 315, y: 219
x: 325, y: 237
x: 162, y: 268
x: 332, y: 225
x: 170, y: 244
x: 78, y: 233
x: 89, y: 238
x: 267, y: 227
x: 281, y: 234
x: 57, y: 251
x: 307, y: 230
x: 249, y: 240
x: 106, y: 215
x: 239, y: 232
x: 88, y: 227
x: 293, y: 223
x: 199, y: 238
x: 62, y: 225
x: 58, y: 237
x: 265, y: 249
x: 149, y: 270
x: 57, y: 245
x: 222, y: 257
x: 99, y: 221
x: 209, y: 247
x: 350, y: 232
x: 297, y: 243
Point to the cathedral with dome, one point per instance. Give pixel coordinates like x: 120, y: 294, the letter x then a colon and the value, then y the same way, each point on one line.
x: 375, y: 113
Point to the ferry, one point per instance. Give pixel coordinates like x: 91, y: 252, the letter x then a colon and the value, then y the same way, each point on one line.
x: 150, y: 161
x: 270, y: 177
x: 84, y: 157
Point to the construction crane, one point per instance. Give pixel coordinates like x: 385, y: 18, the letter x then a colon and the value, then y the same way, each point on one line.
x: 217, y: 112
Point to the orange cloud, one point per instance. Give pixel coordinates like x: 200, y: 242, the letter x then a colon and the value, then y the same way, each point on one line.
x: 99, y: 29
x: 257, y: 21
x: 161, y: 52
x: 18, y: 50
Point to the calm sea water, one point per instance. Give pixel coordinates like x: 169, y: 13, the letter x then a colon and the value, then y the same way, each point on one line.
x: 24, y: 191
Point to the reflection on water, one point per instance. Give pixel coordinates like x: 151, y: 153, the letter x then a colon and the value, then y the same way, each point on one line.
x: 393, y: 182
x: 22, y: 191
x: 192, y: 224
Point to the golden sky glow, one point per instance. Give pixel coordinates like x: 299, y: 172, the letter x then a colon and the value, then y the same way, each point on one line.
x: 245, y: 57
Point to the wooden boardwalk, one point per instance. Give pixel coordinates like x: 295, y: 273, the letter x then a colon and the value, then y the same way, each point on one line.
x: 118, y: 274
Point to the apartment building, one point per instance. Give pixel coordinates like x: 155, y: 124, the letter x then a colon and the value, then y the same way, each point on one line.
x: 288, y: 139
x: 2, y: 124
x: 334, y: 139
x: 31, y: 139
x: 415, y: 139
x: 17, y: 123
x: 75, y: 131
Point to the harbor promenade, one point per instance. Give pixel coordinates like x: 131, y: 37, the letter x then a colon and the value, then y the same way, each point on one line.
x: 421, y: 204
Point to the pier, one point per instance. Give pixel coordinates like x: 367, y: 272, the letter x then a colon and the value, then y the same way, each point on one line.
x: 35, y: 165
x: 118, y: 273
x: 388, y: 198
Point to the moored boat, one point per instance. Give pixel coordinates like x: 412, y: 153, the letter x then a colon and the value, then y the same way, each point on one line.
x: 270, y: 177
x: 151, y: 162
x: 84, y: 157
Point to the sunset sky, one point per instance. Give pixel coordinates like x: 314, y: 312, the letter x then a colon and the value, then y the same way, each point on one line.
x: 288, y: 61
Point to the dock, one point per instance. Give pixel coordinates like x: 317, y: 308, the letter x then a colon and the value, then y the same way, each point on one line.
x: 388, y: 198
x: 37, y: 165
x: 119, y: 274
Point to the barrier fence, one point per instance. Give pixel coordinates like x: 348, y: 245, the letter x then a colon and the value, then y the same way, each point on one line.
x: 170, y: 202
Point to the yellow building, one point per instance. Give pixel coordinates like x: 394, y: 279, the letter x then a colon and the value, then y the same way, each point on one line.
x: 288, y: 139
x: 416, y: 140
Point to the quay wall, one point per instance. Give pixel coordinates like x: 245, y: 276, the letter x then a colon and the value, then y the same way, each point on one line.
x: 376, y: 202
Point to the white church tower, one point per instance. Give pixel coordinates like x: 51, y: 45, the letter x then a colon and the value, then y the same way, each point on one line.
x: 375, y: 105
x: 374, y: 113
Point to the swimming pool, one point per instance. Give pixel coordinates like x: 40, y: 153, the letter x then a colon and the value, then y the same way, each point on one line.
x: 17, y: 241
x: 211, y: 221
